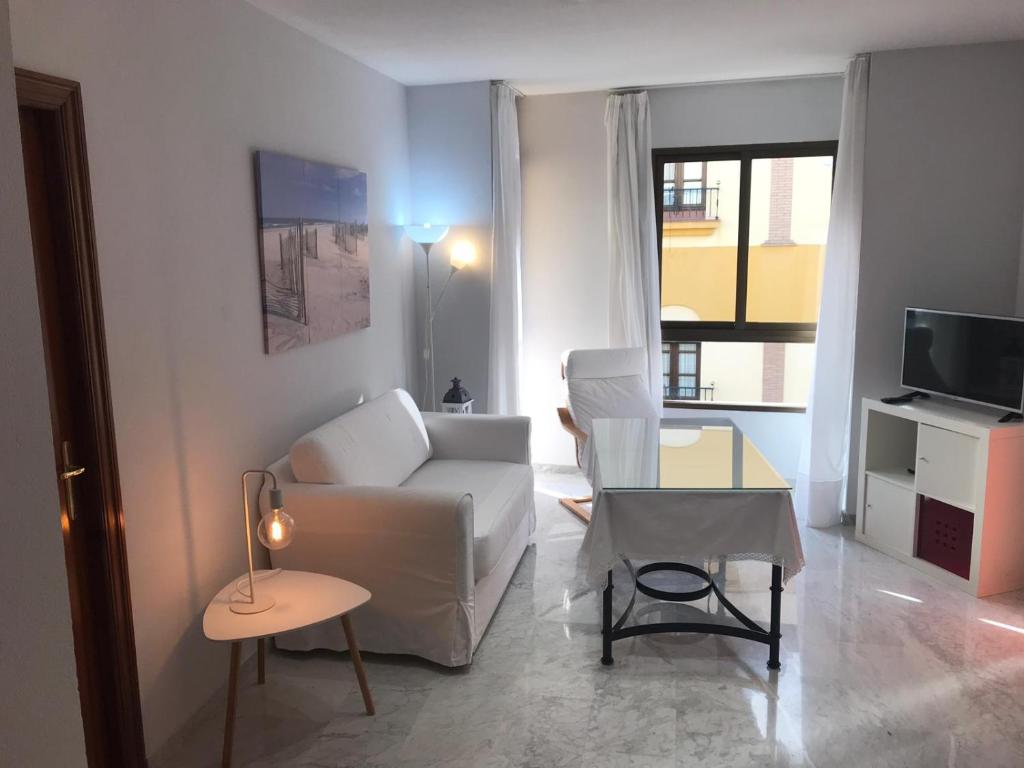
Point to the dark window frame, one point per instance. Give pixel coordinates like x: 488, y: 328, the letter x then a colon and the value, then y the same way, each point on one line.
x: 675, y: 331
x: 700, y: 201
x: 674, y: 373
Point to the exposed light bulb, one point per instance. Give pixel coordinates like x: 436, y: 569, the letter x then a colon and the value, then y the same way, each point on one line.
x: 463, y: 254
x: 276, y: 529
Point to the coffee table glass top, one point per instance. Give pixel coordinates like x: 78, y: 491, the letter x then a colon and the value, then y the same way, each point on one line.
x: 680, y: 454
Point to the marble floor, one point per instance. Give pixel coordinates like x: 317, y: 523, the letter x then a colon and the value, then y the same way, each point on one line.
x: 881, y: 666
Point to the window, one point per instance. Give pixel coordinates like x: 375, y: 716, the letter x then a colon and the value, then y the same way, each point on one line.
x: 742, y: 244
x: 681, y: 372
x: 685, y: 191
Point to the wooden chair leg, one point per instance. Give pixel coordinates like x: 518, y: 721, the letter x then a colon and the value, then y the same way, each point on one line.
x: 229, y: 720
x: 261, y: 661
x: 576, y: 507
x: 357, y: 662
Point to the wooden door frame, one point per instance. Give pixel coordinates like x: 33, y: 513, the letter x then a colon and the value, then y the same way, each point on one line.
x: 117, y: 697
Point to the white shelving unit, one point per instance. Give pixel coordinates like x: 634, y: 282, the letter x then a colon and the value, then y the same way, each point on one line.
x: 955, y: 454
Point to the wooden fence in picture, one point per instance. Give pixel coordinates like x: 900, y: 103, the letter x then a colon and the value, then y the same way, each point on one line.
x: 310, y: 246
x: 286, y: 294
x: 347, y: 235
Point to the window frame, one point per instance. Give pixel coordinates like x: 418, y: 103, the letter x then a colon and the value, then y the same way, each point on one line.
x: 678, y: 331
x: 680, y: 186
x: 674, y: 373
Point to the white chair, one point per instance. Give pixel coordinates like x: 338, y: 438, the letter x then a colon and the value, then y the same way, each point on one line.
x: 601, y: 383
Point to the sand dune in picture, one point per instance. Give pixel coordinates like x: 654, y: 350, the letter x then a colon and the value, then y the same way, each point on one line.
x: 337, y: 285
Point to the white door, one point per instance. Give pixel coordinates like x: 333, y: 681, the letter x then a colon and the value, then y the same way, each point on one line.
x: 947, y: 465
x: 889, y: 515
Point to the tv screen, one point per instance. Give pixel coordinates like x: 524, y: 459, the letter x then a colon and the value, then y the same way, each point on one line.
x: 969, y: 357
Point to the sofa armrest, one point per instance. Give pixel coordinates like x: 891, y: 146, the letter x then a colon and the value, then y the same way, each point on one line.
x: 384, y: 538
x: 481, y: 437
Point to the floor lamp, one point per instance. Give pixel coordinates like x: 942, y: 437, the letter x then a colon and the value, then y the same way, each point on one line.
x: 463, y: 254
x: 427, y: 236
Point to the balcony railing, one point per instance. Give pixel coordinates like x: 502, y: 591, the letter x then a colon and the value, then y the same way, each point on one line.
x: 690, y: 203
x: 689, y: 393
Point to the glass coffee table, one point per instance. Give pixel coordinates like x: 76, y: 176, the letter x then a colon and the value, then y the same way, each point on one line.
x: 670, y: 492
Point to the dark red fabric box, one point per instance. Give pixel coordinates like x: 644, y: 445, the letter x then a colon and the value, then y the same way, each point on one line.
x: 944, y: 536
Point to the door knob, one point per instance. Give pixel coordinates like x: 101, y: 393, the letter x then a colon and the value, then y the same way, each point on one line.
x: 69, y: 473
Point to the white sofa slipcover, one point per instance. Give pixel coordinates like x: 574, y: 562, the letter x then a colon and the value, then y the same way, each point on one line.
x: 430, y: 512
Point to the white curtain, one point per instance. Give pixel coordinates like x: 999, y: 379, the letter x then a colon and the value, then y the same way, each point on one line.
x: 821, y: 480
x: 506, y: 258
x: 635, y: 302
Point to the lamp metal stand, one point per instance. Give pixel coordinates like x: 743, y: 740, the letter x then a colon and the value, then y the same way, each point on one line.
x: 430, y: 373
x: 430, y: 333
x: 263, y: 602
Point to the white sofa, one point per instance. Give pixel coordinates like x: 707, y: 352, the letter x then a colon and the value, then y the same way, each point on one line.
x: 430, y: 512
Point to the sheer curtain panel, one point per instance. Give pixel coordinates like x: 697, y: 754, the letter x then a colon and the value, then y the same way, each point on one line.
x: 506, y: 260
x: 635, y: 301
x: 825, y: 457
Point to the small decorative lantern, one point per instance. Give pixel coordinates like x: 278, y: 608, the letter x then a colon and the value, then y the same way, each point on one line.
x: 457, y: 399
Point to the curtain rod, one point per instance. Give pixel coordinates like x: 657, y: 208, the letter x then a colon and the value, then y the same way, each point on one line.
x: 740, y: 81
x: 509, y: 85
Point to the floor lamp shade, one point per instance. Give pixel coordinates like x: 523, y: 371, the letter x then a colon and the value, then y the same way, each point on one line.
x: 426, y: 234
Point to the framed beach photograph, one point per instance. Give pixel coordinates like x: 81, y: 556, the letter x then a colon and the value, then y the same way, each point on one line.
x: 314, y: 252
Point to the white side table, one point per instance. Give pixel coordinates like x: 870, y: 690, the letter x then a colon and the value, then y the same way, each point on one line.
x: 301, y: 599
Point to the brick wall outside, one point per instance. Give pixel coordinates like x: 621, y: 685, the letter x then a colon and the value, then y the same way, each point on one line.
x: 780, y: 202
x: 773, y: 377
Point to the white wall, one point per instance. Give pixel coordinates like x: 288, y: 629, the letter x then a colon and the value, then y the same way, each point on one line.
x: 39, y: 709
x: 565, y: 252
x: 565, y: 223
x: 450, y: 172
x: 177, y: 96
x: 944, y: 125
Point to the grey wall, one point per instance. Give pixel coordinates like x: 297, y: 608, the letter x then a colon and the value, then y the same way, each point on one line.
x: 1020, y: 274
x: 565, y: 223
x: 177, y: 96
x: 450, y: 172
x: 39, y: 709
x: 943, y: 196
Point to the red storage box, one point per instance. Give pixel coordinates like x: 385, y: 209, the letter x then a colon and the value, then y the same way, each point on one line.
x: 944, y: 536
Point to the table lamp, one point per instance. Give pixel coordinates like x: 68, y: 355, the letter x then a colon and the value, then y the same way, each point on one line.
x: 275, y: 531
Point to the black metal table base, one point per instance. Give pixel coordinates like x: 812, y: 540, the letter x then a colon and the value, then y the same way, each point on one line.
x: 747, y: 630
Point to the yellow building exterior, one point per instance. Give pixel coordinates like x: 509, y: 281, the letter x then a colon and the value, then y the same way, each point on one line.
x: 783, y: 278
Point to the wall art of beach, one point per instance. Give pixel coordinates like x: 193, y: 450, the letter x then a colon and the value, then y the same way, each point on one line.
x: 314, y: 252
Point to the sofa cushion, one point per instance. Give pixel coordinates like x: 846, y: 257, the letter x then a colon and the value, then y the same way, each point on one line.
x: 502, y: 497
x: 381, y: 442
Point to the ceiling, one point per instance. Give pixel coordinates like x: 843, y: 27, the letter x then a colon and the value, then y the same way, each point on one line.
x: 546, y: 46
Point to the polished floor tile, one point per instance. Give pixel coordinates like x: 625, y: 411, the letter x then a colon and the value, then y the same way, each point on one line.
x: 882, y: 666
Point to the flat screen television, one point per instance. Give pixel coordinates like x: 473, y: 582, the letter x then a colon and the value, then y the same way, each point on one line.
x: 974, y: 358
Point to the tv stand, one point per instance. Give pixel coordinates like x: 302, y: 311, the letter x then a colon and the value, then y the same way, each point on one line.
x: 957, y: 516
x: 909, y: 397
x: 1007, y: 418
